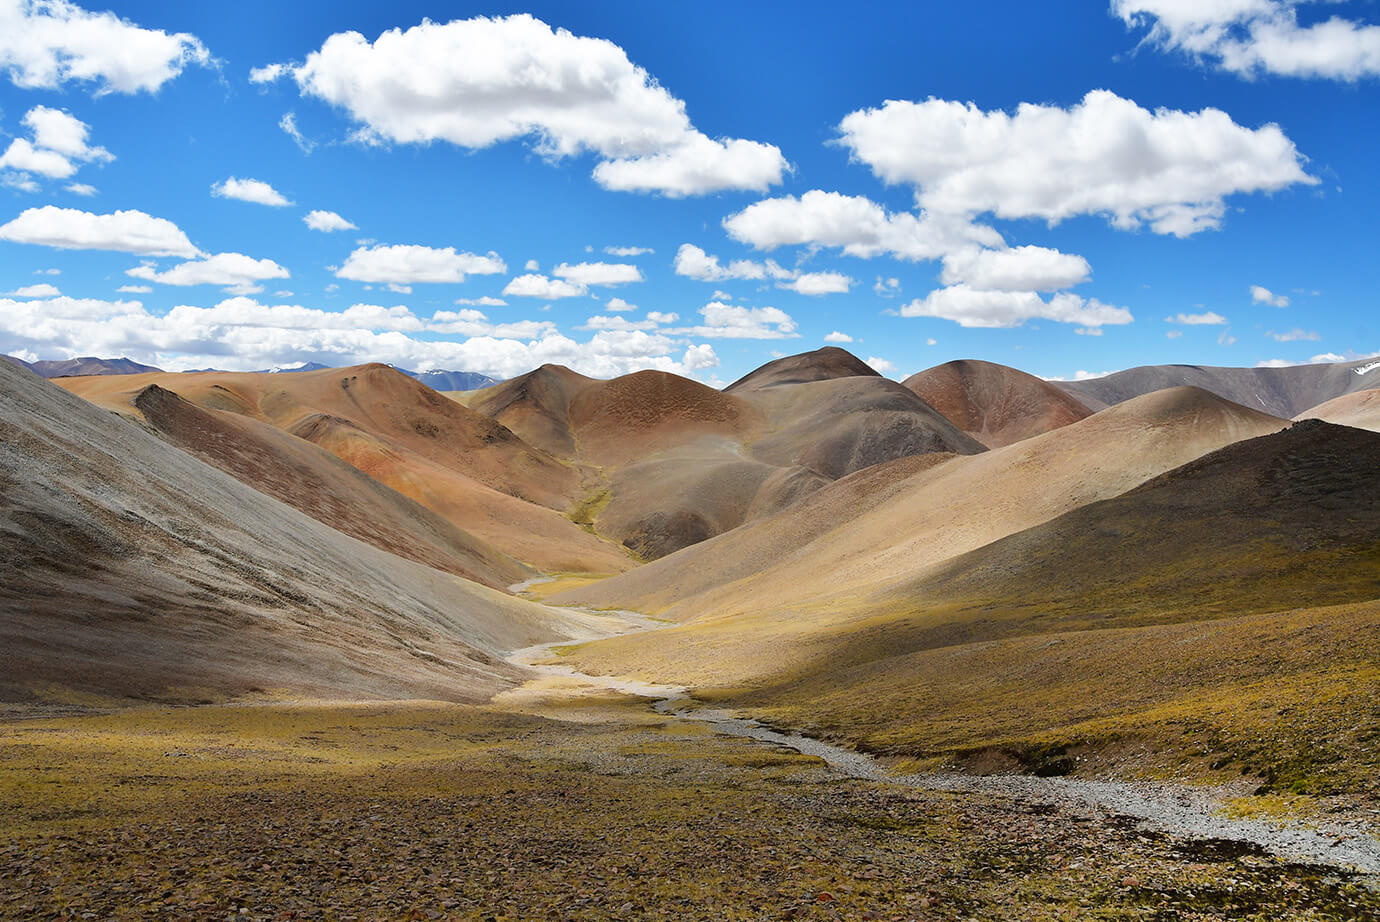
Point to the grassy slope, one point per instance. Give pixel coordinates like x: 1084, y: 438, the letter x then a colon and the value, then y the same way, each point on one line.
x: 1190, y: 614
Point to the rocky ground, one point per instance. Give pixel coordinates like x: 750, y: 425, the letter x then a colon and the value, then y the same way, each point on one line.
x: 586, y: 808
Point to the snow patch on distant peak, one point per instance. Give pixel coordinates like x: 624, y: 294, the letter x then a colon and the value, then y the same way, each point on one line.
x: 1366, y: 369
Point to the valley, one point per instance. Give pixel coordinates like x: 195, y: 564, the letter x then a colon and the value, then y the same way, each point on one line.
x: 808, y: 629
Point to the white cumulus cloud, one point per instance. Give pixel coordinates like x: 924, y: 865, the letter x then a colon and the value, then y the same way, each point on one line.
x: 41, y: 290
x: 234, y: 270
x: 534, y: 285
x: 837, y: 337
x: 1208, y: 318
x: 1023, y: 268
x: 818, y: 283
x: 1254, y: 37
x: 481, y: 81
x: 626, y: 252
x: 121, y: 231
x: 972, y: 307
x: 693, y: 262
x: 1262, y: 295
x: 408, y: 263
x: 855, y: 224
x: 728, y: 321
x: 1166, y: 169
x: 249, y: 190
x: 327, y: 221
x: 46, y: 43
x: 598, y: 274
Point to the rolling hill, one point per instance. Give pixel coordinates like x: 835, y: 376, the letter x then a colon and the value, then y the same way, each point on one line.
x: 673, y: 462
x: 460, y: 464
x: 1360, y: 409
x: 995, y: 404
x: 136, y: 571
x: 833, y: 552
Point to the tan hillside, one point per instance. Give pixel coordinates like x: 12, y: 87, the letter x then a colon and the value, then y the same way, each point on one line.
x: 833, y: 559
x: 136, y: 571
x: 1360, y: 409
x: 995, y: 404
x: 462, y: 465
x: 641, y: 414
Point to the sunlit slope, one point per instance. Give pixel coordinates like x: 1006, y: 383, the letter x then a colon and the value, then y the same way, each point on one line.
x: 995, y: 404
x: 462, y: 465
x: 1227, y: 608
x: 1220, y: 618
x: 839, y: 553
x: 134, y: 570
x: 1360, y: 409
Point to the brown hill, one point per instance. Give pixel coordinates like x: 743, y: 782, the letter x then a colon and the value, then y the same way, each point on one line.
x: 641, y: 414
x: 134, y: 570
x: 1360, y: 409
x: 669, y: 462
x: 466, y: 467
x: 995, y: 404
x: 321, y: 485
x: 821, y: 365
x: 536, y: 406
x: 1286, y: 520
x: 833, y: 555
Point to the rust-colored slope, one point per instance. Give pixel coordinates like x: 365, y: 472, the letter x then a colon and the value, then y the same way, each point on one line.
x: 640, y: 414
x: 536, y: 406
x: 459, y: 463
x: 316, y: 482
x: 995, y: 404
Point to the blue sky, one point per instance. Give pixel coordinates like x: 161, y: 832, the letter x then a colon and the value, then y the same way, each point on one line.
x: 1064, y: 188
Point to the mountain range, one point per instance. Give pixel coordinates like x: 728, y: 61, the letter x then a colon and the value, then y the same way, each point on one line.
x: 974, y: 567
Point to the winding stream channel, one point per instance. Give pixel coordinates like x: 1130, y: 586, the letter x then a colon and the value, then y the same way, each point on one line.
x: 1185, y: 811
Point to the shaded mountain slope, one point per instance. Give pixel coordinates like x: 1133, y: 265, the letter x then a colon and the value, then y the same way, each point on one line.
x: 86, y: 365
x: 837, y: 426
x: 1279, y: 391
x: 1281, y: 521
x: 134, y: 570
x: 995, y: 404
x: 1360, y: 409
